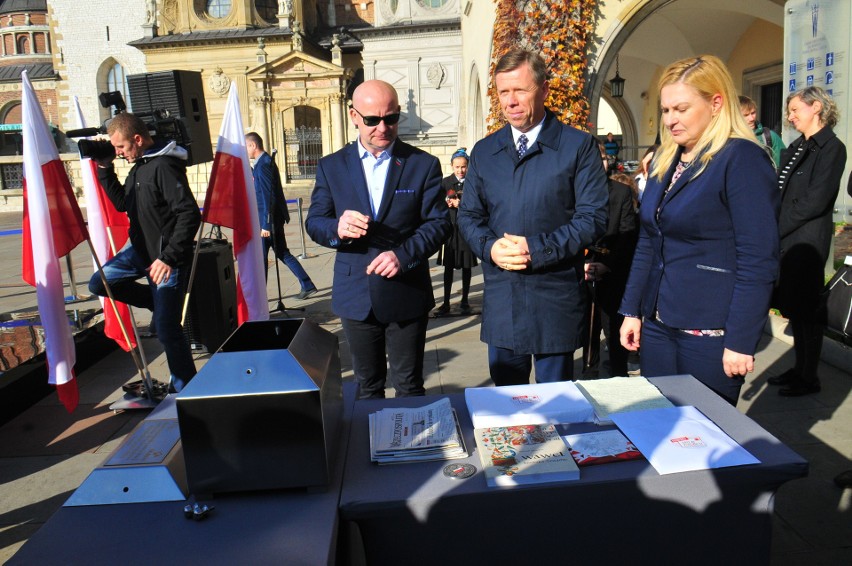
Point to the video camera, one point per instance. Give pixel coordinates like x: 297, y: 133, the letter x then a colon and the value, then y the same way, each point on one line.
x: 160, y: 125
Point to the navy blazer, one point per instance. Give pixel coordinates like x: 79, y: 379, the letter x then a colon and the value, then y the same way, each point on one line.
x: 556, y: 197
x: 271, y: 204
x: 708, y: 259
x: 412, y: 222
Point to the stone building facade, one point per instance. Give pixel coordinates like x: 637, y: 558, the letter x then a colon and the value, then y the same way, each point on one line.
x: 25, y: 44
x: 91, y: 54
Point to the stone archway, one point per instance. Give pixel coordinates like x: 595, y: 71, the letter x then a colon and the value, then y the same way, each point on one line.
x: 651, y: 34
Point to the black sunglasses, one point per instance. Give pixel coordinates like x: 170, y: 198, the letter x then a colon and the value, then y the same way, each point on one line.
x: 373, y: 121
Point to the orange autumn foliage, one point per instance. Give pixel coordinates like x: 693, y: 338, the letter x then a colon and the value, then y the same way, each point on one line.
x: 562, y: 31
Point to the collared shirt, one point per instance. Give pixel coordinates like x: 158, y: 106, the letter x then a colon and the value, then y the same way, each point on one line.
x: 375, y: 173
x: 532, y: 135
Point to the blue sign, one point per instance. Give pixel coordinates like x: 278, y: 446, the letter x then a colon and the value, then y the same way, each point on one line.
x: 829, y: 77
x: 811, y: 64
x: 792, y: 68
x: 792, y: 87
x: 829, y: 59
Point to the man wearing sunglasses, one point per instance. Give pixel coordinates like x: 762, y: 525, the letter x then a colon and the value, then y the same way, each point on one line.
x: 378, y: 203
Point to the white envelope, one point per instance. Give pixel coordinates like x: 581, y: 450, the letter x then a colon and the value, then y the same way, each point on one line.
x: 539, y: 403
x: 680, y: 439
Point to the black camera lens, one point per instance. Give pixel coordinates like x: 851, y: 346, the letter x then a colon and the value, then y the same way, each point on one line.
x: 99, y: 150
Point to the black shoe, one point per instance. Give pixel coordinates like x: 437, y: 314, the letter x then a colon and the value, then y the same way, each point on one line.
x: 442, y: 310
x: 843, y: 479
x: 800, y: 389
x: 785, y: 378
x: 306, y: 293
x: 465, y: 307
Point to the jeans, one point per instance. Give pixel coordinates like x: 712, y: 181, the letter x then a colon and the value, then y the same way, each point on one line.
x: 279, y: 243
x: 165, y: 299
x: 669, y: 351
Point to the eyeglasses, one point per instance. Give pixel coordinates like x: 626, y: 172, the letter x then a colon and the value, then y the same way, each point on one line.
x: 373, y: 121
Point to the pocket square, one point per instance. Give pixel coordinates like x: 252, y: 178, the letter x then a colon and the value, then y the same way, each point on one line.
x: 404, y: 191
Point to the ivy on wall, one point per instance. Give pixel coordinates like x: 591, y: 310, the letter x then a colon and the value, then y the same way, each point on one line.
x: 562, y: 32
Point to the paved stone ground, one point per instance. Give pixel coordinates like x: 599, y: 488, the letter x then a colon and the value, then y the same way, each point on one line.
x: 45, y: 453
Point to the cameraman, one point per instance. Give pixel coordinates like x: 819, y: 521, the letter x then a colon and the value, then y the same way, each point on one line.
x: 163, y: 220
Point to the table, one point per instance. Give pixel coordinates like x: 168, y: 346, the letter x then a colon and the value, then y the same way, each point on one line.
x: 625, y: 511
x: 291, y: 526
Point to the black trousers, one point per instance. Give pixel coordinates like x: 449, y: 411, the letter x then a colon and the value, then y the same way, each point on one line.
x: 807, y: 345
x: 602, y: 308
x: 402, y: 342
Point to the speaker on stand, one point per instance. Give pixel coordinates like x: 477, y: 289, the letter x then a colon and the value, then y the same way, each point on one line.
x: 212, y: 313
x: 179, y: 94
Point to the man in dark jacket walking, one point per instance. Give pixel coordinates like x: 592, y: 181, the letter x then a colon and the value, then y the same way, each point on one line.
x: 164, y: 218
x: 535, y: 198
x: 273, y: 214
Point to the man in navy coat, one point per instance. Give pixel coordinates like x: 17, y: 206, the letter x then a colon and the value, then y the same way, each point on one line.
x: 535, y: 198
x: 273, y: 214
x: 378, y: 203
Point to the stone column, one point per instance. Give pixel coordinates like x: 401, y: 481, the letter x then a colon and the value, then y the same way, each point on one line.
x: 259, y: 119
x: 338, y: 121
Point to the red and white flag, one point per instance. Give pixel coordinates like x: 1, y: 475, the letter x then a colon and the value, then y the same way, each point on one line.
x: 108, y: 229
x: 231, y: 202
x: 53, y: 226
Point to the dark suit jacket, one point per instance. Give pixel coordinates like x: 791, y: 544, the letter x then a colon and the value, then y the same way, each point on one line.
x: 808, y: 193
x: 556, y: 197
x: 412, y: 222
x: 271, y: 204
x: 615, y: 249
x: 709, y: 257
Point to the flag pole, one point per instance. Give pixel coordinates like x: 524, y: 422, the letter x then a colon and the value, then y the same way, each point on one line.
x: 143, y: 371
x: 191, y: 274
x: 147, y: 383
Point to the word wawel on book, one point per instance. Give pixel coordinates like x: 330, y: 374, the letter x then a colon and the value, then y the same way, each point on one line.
x: 416, y: 434
x: 523, y: 454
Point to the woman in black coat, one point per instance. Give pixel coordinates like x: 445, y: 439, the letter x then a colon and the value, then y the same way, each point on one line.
x: 809, y: 179
x: 456, y: 253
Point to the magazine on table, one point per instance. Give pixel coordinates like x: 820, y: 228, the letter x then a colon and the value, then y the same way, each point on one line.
x: 414, y: 434
x: 603, y: 447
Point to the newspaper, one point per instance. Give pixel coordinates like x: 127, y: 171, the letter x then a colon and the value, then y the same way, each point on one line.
x: 416, y: 434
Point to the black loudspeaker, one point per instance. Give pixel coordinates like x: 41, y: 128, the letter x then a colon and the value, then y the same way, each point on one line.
x: 212, y: 313
x: 179, y: 95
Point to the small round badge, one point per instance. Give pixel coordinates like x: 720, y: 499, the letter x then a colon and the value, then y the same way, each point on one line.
x: 459, y: 471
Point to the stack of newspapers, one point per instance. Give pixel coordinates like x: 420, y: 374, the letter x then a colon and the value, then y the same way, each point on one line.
x: 416, y: 434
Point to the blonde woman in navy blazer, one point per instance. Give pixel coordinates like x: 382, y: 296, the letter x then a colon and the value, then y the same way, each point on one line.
x: 699, y: 287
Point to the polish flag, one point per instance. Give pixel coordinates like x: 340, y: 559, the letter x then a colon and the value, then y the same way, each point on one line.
x: 108, y: 229
x: 231, y: 202
x: 53, y: 226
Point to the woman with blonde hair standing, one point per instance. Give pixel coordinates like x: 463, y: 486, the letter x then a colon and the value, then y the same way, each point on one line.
x: 699, y: 287
x: 809, y: 179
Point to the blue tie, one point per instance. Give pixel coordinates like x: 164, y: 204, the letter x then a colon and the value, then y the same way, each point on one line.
x: 522, y: 145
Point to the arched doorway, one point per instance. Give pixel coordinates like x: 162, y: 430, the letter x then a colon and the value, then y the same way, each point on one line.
x: 647, y: 36
x: 303, y: 143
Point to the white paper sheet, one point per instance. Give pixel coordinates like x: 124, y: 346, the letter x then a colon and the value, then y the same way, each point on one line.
x: 680, y: 439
